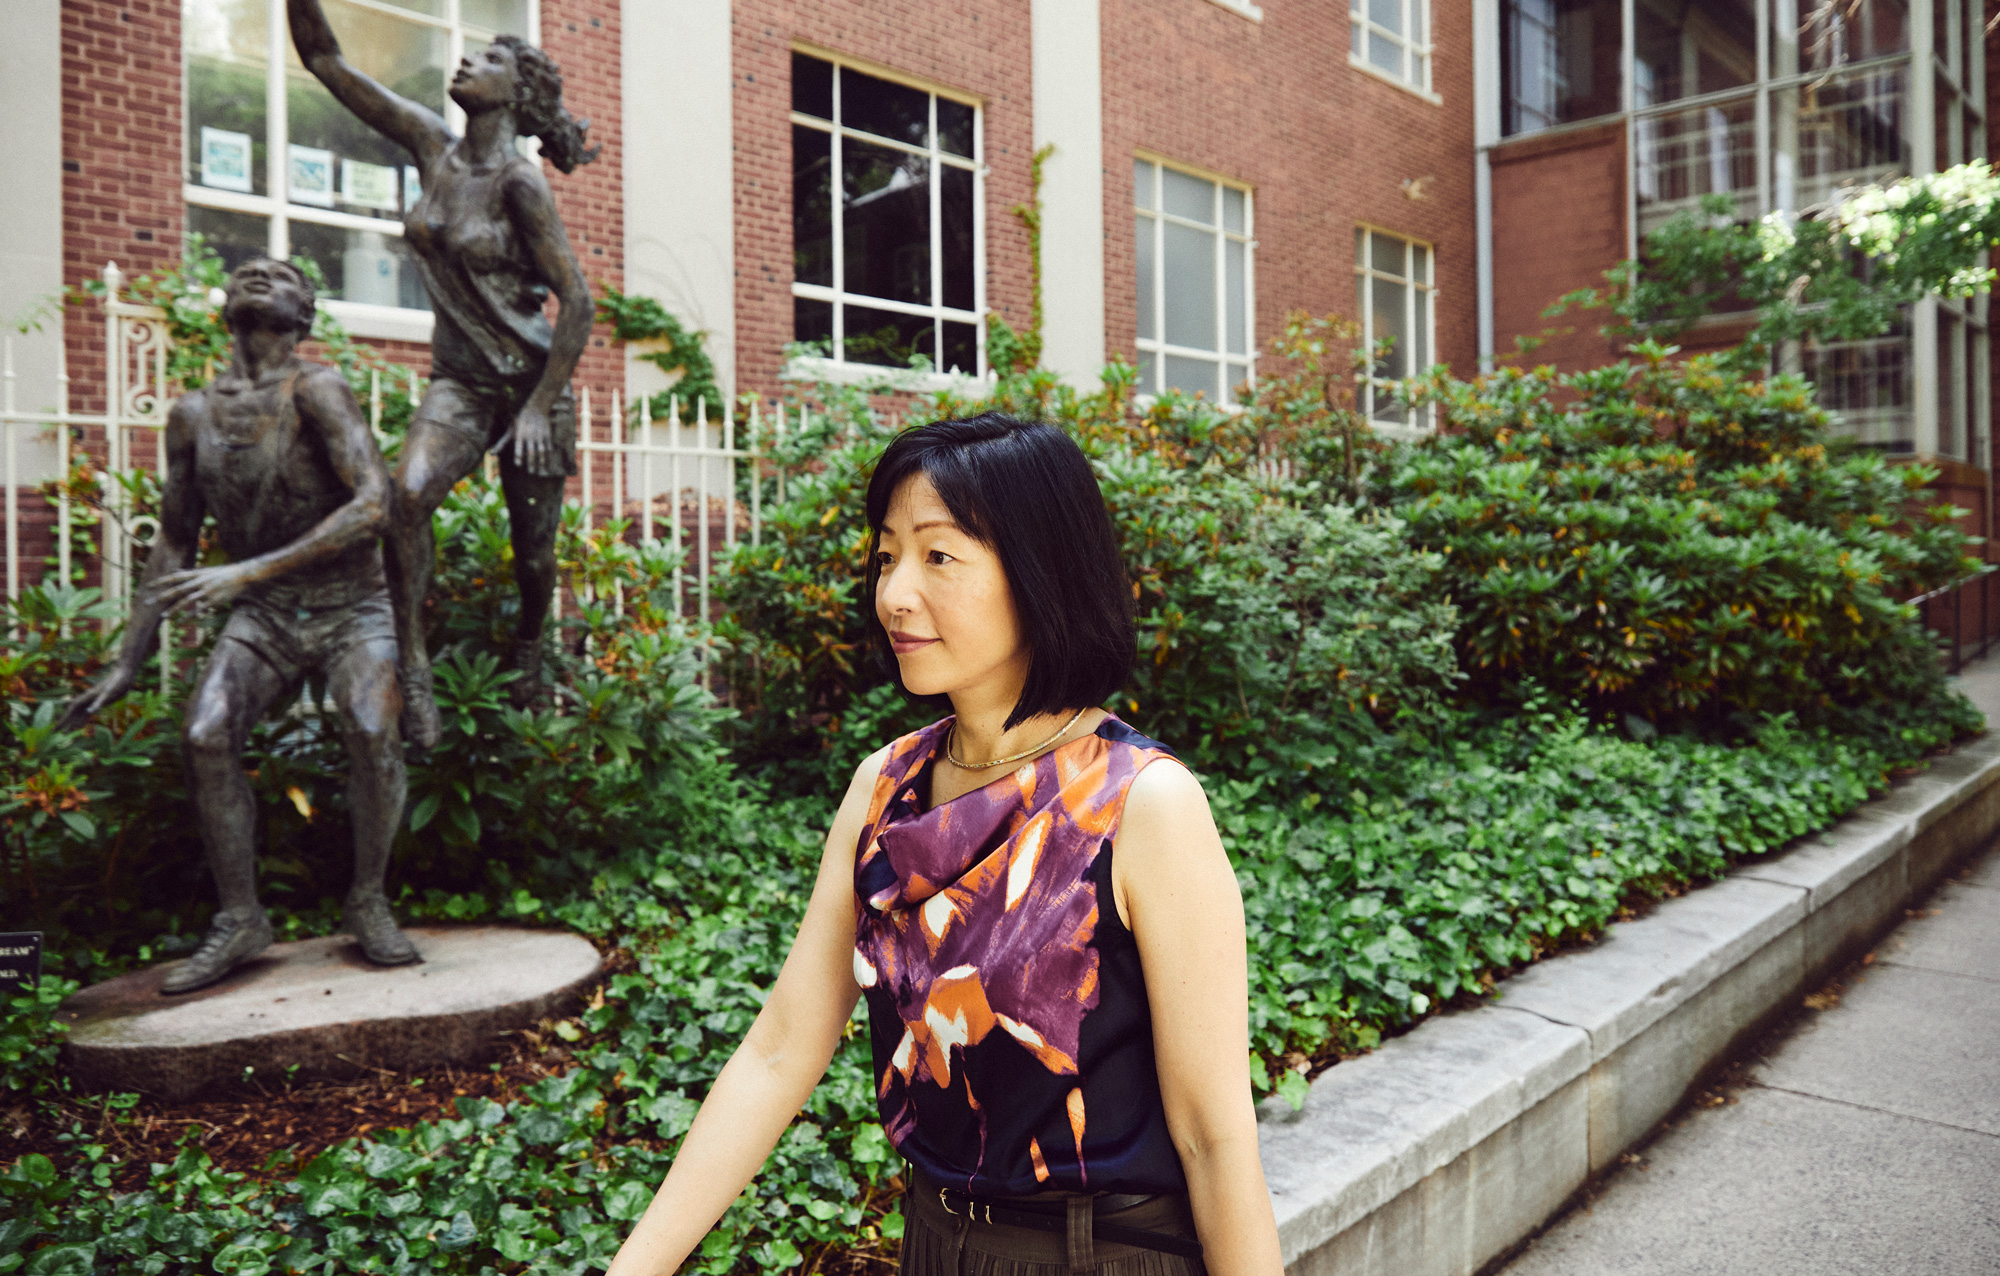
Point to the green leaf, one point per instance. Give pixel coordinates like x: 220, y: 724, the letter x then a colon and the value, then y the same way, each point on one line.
x: 1293, y: 1088
x: 628, y: 1200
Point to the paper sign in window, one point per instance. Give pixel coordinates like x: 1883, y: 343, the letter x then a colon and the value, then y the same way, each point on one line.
x: 309, y: 176
x: 368, y: 185
x: 225, y: 160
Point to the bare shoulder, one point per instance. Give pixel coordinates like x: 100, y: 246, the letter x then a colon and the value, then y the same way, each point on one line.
x: 1165, y: 791
x: 188, y: 410
x: 523, y: 178
x: 865, y: 775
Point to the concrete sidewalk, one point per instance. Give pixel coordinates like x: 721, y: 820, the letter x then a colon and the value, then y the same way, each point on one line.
x: 1863, y: 1139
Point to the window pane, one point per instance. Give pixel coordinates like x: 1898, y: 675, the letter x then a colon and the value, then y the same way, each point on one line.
x: 955, y: 212
x: 1354, y: 32
x: 1233, y: 210
x: 1387, y: 14
x: 1681, y: 156
x: 887, y: 222
x: 1391, y: 326
x: 1420, y: 70
x: 812, y: 206
x: 1558, y: 61
x: 368, y: 266
x: 1420, y: 12
x: 1386, y: 255
x: 1189, y: 197
x: 1360, y: 247
x: 954, y: 127
x: 226, y: 74
x: 1847, y: 128
x: 1142, y: 273
x: 812, y: 86
x: 1149, y: 373
x: 1811, y: 35
x: 1192, y: 376
x: 884, y: 109
x: 236, y: 237
x: 1701, y: 46
x: 1361, y: 283
x: 1385, y: 53
x: 812, y: 321
x: 887, y: 338
x: 434, y: 8
x: 1234, y: 375
x: 1190, y: 286
x: 1142, y: 184
x: 509, y: 16
x: 357, y: 162
x: 961, y: 348
x: 1233, y: 255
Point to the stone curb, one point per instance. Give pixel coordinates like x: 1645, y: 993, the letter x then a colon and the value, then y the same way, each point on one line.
x: 1442, y: 1150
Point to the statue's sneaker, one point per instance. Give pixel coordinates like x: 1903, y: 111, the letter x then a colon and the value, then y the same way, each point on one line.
x: 370, y: 922
x: 230, y: 942
x: 420, y: 722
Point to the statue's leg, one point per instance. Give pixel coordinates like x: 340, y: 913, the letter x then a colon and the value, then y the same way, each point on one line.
x: 534, y: 516
x: 236, y: 689
x: 362, y: 682
x: 442, y: 447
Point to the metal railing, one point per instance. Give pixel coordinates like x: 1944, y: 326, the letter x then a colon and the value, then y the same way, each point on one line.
x: 1944, y: 612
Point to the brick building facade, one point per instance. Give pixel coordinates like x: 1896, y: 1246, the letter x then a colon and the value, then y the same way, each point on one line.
x: 1444, y: 171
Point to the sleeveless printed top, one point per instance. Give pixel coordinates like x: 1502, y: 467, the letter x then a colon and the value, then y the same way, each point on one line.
x: 1012, y: 1038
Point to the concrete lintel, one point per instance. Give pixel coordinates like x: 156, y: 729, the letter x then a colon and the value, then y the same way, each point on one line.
x: 1376, y: 1126
x: 1648, y: 968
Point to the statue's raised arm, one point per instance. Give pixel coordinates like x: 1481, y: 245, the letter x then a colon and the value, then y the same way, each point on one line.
x: 416, y: 127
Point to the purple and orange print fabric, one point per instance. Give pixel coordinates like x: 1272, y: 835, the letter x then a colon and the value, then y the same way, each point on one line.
x: 979, y: 923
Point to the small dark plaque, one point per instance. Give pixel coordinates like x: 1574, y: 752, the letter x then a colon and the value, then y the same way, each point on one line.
x: 21, y: 959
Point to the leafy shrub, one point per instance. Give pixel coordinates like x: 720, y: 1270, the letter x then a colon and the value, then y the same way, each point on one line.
x: 1673, y: 540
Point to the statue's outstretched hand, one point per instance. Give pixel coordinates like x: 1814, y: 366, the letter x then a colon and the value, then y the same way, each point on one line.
x: 201, y: 588
x: 109, y: 690
x: 533, y: 444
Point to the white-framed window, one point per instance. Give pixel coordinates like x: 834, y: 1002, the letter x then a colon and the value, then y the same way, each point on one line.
x: 1392, y: 38
x: 1395, y: 298
x: 896, y: 267
x: 275, y: 165
x: 1195, y: 281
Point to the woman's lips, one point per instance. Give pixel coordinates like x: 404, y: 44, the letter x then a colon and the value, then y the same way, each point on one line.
x: 907, y: 643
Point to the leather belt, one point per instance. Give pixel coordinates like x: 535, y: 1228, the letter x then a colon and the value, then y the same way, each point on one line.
x: 1052, y: 1216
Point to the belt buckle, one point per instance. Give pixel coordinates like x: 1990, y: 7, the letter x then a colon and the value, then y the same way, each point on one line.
x: 945, y: 1202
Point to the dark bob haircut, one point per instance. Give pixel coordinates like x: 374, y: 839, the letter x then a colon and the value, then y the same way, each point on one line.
x: 1024, y: 489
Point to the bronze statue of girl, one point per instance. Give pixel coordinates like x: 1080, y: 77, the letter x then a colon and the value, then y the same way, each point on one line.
x: 490, y: 250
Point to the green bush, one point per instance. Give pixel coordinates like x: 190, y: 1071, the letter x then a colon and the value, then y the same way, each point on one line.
x: 1666, y: 538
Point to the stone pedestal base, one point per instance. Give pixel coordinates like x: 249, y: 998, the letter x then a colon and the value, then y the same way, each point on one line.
x: 321, y: 1005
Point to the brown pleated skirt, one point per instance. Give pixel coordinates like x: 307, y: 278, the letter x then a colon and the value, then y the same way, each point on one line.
x: 936, y: 1243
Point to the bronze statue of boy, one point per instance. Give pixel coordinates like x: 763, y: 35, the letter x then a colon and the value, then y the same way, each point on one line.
x: 277, y: 450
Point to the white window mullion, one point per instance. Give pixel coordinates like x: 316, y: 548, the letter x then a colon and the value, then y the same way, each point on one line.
x: 978, y: 234
x: 837, y: 207
x: 277, y: 130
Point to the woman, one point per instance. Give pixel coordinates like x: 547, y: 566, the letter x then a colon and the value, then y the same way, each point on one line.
x: 490, y: 249
x: 1060, y: 1033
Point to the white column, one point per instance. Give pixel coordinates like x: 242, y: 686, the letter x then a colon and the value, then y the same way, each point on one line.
x: 31, y: 207
x: 680, y: 217
x: 1485, y: 132
x: 1069, y: 113
x: 1924, y: 397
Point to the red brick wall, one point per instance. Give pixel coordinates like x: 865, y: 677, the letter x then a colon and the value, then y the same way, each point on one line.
x: 1325, y: 146
x: 582, y: 36
x: 1558, y: 225
x: 121, y: 149
x: 976, y: 46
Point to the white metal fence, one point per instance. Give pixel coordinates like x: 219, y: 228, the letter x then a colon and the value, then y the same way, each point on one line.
x: 681, y: 479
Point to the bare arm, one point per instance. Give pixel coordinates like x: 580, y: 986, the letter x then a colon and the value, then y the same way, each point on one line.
x: 173, y: 550
x: 324, y: 404
x: 416, y: 127
x: 774, y: 1071
x: 532, y: 207
x: 1174, y: 885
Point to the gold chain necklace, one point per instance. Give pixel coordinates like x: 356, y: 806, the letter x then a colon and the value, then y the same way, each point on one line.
x: 951, y: 742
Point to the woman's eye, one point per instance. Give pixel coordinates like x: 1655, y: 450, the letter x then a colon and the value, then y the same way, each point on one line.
x: 939, y: 557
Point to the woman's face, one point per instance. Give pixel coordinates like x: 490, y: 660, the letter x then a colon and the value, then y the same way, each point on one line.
x: 943, y: 598
x: 484, y: 80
